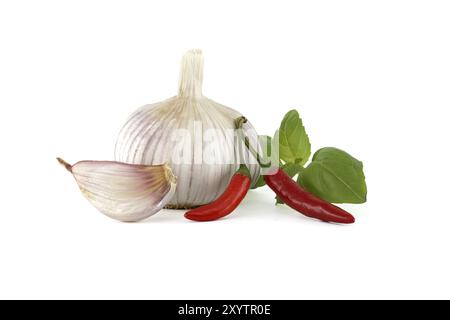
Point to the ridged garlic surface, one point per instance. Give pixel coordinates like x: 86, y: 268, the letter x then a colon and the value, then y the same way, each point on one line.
x: 192, y: 134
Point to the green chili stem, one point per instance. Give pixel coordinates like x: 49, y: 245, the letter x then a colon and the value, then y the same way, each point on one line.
x: 239, y: 123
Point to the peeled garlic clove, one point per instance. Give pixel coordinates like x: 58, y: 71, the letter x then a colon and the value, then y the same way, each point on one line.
x: 123, y: 191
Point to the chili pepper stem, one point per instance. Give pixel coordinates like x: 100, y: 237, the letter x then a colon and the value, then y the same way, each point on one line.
x: 238, y: 123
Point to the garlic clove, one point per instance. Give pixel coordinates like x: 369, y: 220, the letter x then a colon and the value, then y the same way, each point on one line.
x: 123, y: 191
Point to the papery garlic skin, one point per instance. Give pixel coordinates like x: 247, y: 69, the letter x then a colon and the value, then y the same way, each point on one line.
x: 122, y: 191
x: 149, y: 137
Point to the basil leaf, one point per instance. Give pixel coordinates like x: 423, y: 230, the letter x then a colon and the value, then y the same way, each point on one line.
x: 335, y: 176
x: 292, y: 169
x: 294, y: 142
x: 260, y: 182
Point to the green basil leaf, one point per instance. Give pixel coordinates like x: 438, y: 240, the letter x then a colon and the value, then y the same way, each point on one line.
x: 292, y: 169
x: 335, y: 176
x: 260, y: 182
x: 294, y: 142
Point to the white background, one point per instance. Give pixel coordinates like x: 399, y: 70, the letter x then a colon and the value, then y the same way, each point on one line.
x: 370, y: 77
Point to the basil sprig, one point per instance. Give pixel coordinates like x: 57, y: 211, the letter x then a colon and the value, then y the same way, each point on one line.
x: 332, y: 175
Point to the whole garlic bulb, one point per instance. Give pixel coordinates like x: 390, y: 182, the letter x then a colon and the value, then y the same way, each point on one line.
x: 194, y: 135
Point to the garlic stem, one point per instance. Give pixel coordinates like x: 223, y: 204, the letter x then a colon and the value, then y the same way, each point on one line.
x: 191, y: 74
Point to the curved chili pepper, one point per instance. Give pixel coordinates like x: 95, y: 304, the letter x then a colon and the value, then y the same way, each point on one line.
x: 295, y: 196
x: 227, y: 202
x: 304, y: 202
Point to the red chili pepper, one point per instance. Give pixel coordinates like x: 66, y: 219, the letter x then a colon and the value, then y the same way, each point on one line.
x: 304, y: 202
x: 295, y: 196
x: 227, y: 202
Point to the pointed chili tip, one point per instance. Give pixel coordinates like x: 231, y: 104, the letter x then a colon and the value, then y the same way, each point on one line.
x: 195, y: 217
x: 64, y: 164
x: 349, y: 219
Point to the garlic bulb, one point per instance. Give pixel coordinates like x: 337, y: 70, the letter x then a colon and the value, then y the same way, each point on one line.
x: 194, y: 135
x: 122, y: 191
